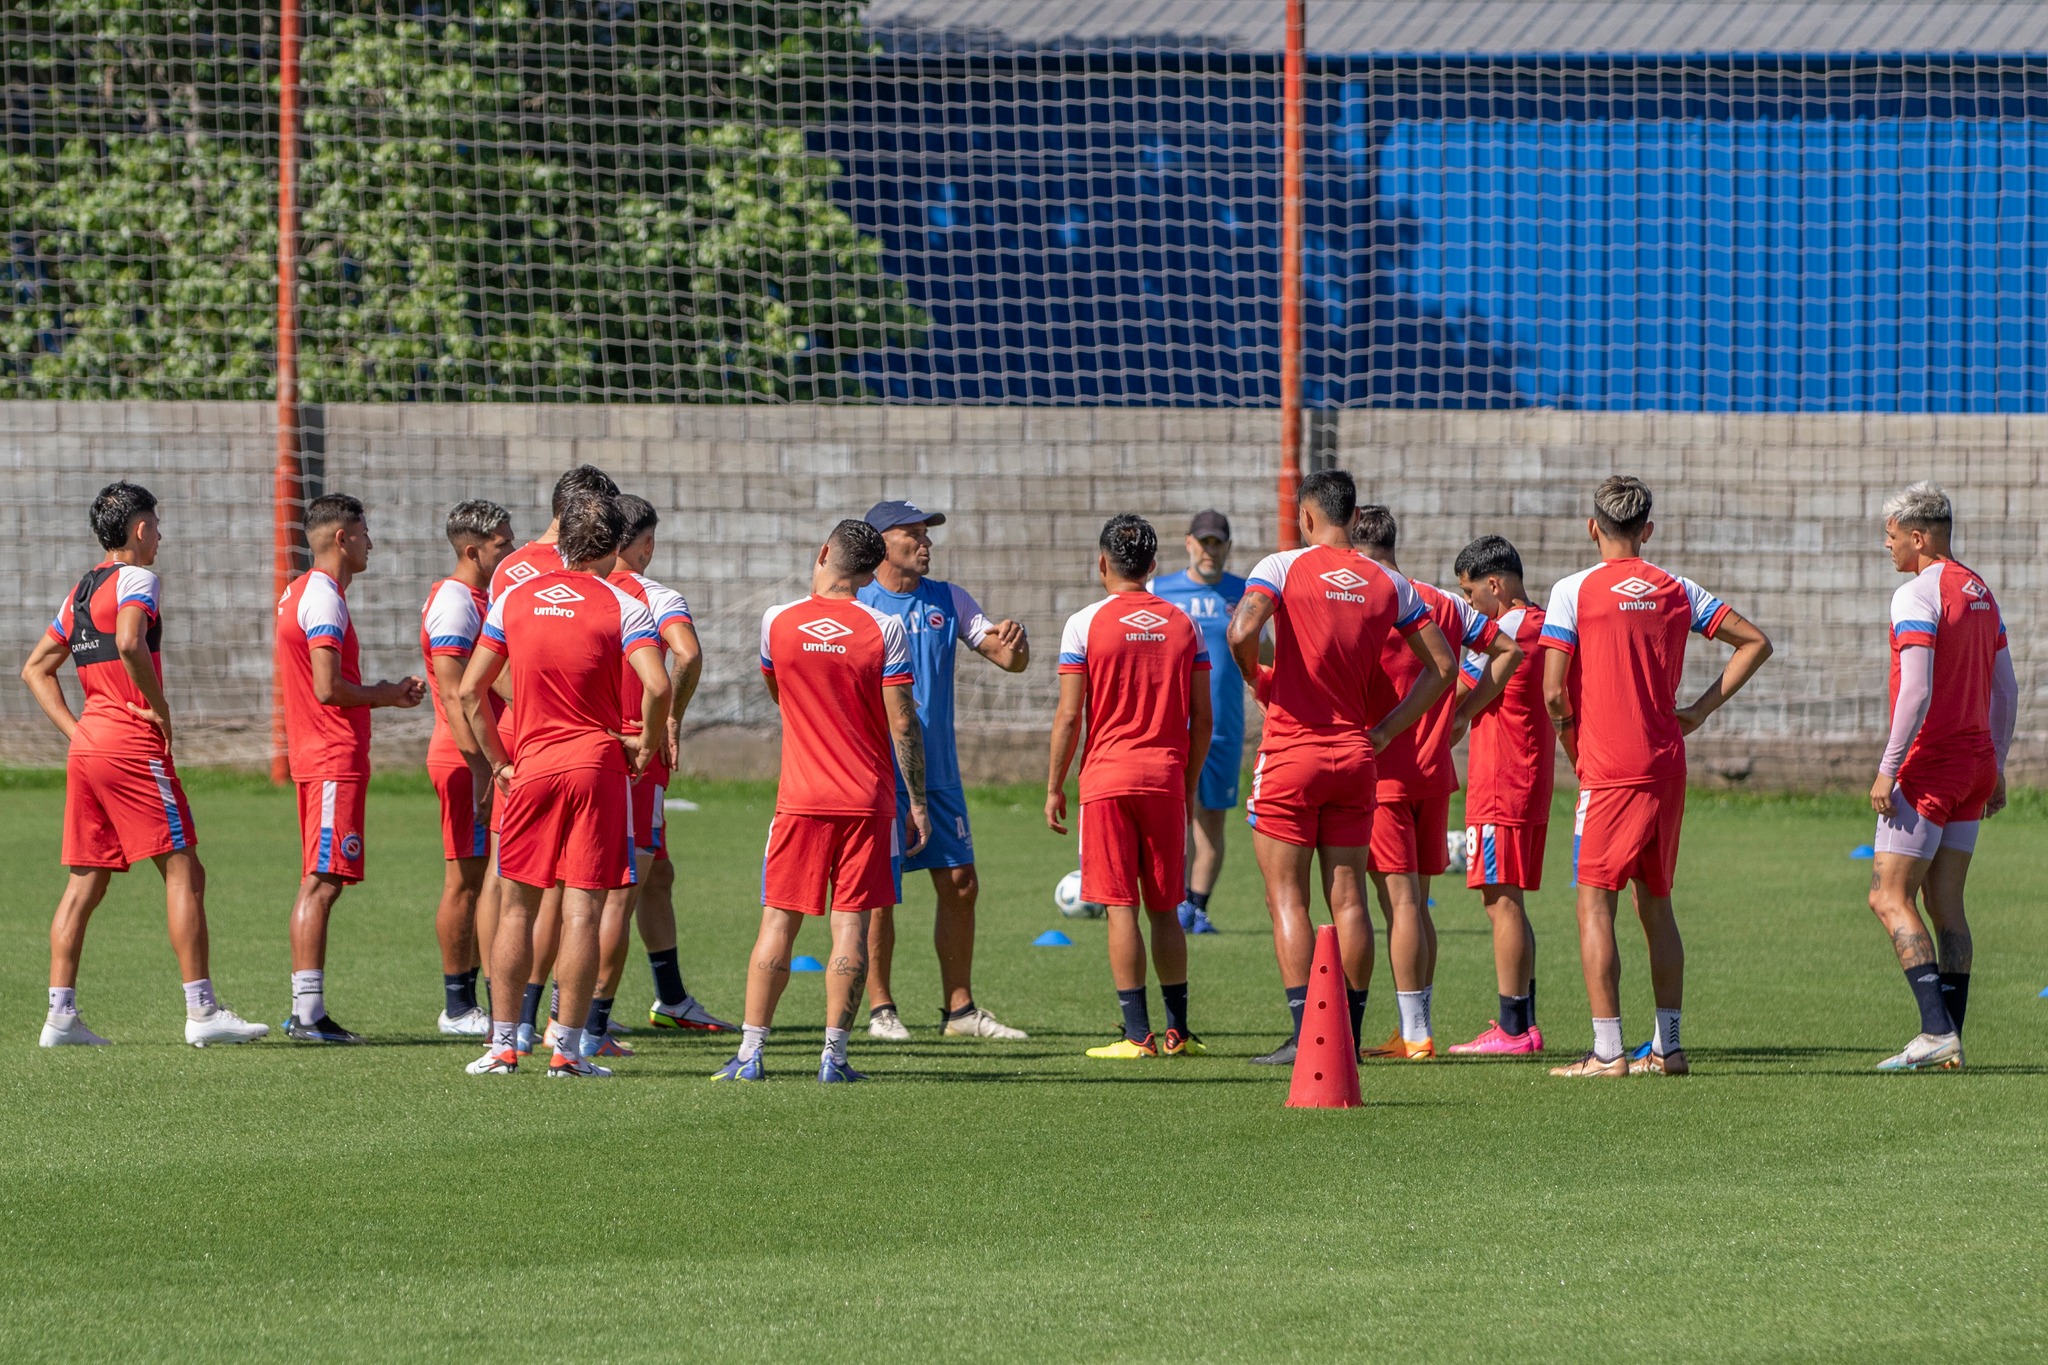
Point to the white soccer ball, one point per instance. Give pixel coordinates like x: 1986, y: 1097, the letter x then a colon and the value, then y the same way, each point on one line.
x: 1459, y: 842
x: 1067, y: 896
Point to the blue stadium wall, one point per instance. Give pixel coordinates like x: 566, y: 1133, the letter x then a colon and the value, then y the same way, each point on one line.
x: 1687, y: 233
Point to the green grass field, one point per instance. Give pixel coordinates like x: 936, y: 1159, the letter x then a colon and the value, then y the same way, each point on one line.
x: 983, y: 1201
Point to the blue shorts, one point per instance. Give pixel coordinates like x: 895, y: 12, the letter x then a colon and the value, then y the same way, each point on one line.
x: 1217, y: 789
x: 952, y: 841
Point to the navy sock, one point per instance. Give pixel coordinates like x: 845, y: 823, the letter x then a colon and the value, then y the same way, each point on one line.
x: 1955, y: 991
x: 968, y: 1008
x: 1532, y: 1000
x: 1516, y: 1012
x: 1176, y: 998
x: 529, y: 1005
x: 668, y: 977
x: 1925, y: 983
x: 1137, y: 1023
x: 1297, y: 1005
x: 1200, y: 899
x: 600, y: 1019
x: 452, y: 988
x: 1356, y: 1000
x: 469, y: 979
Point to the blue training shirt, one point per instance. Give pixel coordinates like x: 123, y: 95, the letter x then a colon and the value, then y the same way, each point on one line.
x: 936, y: 617
x: 1210, y: 608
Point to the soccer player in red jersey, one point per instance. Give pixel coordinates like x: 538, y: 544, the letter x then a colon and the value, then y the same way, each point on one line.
x: 529, y: 561
x: 480, y: 533
x: 650, y: 898
x: 1510, y: 767
x: 1615, y: 636
x: 1312, y: 795
x: 1136, y: 669
x: 327, y: 731
x: 1416, y: 779
x: 565, y: 780
x: 123, y: 802
x: 1955, y: 700
x: 840, y: 671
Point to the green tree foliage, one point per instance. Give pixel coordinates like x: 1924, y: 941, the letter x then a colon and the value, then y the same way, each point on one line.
x: 500, y: 199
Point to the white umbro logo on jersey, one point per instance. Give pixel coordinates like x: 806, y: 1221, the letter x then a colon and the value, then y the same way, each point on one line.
x: 1345, y: 579
x: 561, y: 595
x: 1975, y: 589
x: 1144, y: 625
x: 823, y: 632
x: 1635, y: 587
x: 519, y: 573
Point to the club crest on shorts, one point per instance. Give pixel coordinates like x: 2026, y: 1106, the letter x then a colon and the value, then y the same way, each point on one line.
x: 352, y: 847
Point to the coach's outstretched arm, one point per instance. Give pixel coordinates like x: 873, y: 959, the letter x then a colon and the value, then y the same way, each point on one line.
x: 1066, y: 737
x: 909, y: 740
x: 1006, y: 646
x: 1439, y: 666
x: 1246, y: 629
x: 1752, y: 647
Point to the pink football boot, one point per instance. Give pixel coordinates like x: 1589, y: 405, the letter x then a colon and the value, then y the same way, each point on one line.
x: 1493, y: 1041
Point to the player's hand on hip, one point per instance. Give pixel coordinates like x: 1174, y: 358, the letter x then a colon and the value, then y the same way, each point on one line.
x: 503, y: 776
x: 1689, y: 719
x: 920, y: 830
x: 163, y: 722
x: 1056, y: 811
x: 1882, y: 793
x: 640, y: 752
x: 1995, y: 804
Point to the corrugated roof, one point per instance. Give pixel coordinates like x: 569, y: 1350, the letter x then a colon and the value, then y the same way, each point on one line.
x: 1359, y: 27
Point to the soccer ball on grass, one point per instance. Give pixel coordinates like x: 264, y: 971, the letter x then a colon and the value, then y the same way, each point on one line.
x: 1067, y: 896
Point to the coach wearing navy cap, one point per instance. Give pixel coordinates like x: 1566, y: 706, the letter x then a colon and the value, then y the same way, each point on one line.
x: 936, y: 616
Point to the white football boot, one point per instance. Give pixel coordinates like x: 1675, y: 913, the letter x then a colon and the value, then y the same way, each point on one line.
x: 71, y: 1033
x: 1927, y: 1052
x: 979, y: 1023
x: 888, y: 1026
x: 222, y: 1026
x: 471, y: 1023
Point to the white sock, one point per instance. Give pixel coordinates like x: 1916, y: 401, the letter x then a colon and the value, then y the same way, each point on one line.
x: 309, y: 997
x: 568, y: 1041
x: 1666, y: 1042
x: 753, y: 1037
x: 63, y: 1002
x: 1414, y: 1008
x: 199, y: 1001
x: 835, y: 1045
x: 504, y: 1034
x: 1607, y: 1039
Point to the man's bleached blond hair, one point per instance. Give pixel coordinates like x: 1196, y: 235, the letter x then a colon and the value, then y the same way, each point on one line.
x: 1921, y: 506
x: 1622, y: 504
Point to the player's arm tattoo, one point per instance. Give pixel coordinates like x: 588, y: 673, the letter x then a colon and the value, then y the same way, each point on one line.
x: 1956, y: 949
x: 1914, y: 948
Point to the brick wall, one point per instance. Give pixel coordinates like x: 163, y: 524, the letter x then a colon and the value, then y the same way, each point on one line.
x: 1776, y: 513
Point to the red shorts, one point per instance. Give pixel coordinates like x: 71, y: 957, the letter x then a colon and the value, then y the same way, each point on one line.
x: 845, y: 861
x: 119, y: 811
x: 650, y: 825
x: 572, y: 827
x: 1134, y: 849
x: 462, y: 834
x: 1625, y: 834
x: 1950, y: 790
x: 1505, y: 855
x: 1312, y: 796
x: 331, y: 827
x: 1411, y: 836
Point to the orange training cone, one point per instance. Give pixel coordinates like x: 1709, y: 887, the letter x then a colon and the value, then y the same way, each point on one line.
x: 1326, y: 1064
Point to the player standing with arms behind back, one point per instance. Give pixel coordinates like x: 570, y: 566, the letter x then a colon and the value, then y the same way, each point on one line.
x: 123, y: 802
x: 936, y: 618
x: 840, y: 671
x: 1209, y: 594
x: 327, y: 732
x: 1510, y: 768
x: 1616, y: 639
x: 1312, y: 787
x: 565, y: 780
x: 480, y: 533
x: 1134, y: 669
x: 1955, y: 701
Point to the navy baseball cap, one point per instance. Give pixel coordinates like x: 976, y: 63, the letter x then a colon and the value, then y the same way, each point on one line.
x: 883, y: 515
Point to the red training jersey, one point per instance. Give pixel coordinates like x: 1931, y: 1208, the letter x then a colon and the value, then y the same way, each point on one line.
x: 830, y: 658
x: 1142, y: 657
x: 1946, y: 608
x: 1511, y: 756
x: 1624, y: 622
x: 85, y: 625
x: 449, y: 624
x: 1334, y: 611
x: 524, y: 564
x: 664, y: 605
x: 1417, y: 763
x: 322, y: 742
x: 563, y: 634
